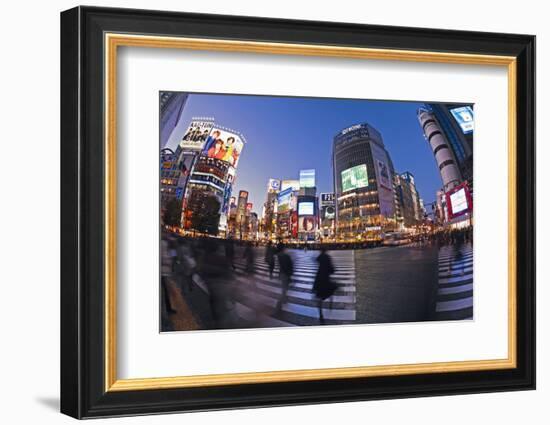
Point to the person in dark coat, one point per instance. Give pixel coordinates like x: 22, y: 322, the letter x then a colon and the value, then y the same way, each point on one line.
x: 270, y: 258
x: 230, y: 253
x: 286, y: 269
x: 249, y: 257
x: 323, y: 287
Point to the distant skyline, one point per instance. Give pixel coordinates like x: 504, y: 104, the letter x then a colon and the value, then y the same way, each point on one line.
x: 287, y: 134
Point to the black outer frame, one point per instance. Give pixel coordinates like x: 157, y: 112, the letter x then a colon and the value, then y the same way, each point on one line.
x: 82, y: 207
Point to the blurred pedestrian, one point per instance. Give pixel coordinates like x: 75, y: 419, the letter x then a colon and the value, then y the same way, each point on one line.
x: 286, y: 269
x: 230, y: 252
x: 270, y: 258
x: 249, y: 257
x: 323, y: 286
x: 186, y: 265
x: 166, y: 270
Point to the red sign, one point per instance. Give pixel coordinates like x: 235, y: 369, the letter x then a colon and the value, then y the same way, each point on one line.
x: 459, y: 201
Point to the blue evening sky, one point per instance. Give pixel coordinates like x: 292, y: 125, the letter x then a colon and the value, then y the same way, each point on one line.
x: 287, y: 134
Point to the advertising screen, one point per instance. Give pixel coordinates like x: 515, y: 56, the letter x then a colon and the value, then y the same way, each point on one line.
x: 355, y: 178
x: 293, y: 184
x: 273, y: 185
x: 459, y: 202
x: 306, y: 208
x: 464, y: 116
x: 223, y: 145
x: 307, y: 178
x: 196, y: 134
x: 328, y: 213
x: 283, y: 200
x: 383, y: 174
x: 306, y: 224
x: 386, y: 196
x: 327, y: 198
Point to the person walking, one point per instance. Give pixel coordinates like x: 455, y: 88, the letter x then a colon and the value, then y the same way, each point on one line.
x: 167, y: 264
x: 249, y: 257
x: 286, y: 269
x: 230, y: 252
x: 270, y: 258
x: 186, y: 265
x: 323, y: 286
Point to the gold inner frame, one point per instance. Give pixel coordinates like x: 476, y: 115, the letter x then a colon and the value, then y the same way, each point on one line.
x: 112, y: 41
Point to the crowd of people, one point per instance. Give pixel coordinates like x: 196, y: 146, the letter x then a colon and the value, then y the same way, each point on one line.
x: 188, y: 262
x: 445, y: 237
x: 210, y: 262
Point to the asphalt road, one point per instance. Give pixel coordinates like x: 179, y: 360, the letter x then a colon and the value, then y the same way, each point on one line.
x: 379, y: 285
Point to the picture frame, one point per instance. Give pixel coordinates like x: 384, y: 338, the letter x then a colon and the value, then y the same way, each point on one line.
x: 90, y: 40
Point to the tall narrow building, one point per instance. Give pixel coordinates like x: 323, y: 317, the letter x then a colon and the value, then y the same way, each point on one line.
x: 444, y: 156
x: 457, y: 124
x: 171, y: 108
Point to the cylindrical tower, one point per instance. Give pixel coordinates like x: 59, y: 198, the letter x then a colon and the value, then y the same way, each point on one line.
x: 450, y: 174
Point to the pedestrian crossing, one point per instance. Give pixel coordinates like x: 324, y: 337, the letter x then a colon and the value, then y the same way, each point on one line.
x: 454, y: 300
x: 259, y: 293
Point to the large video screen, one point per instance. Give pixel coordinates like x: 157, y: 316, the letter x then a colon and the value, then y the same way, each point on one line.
x: 459, y: 201
x: 306, y: 208
x: 283, y: 200
x: 307, y: 178
x: 464, y: 116
x: 355, y: 178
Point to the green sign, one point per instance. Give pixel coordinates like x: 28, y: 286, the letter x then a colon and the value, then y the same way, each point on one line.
x: 355, y: 178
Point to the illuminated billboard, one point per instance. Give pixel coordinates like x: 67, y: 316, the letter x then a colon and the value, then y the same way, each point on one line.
x: 284, y: 200
x: 355, y: 178
x: 307, y: 178
x: 306, y: 208
x: 464, y: 116
x: 459, y: 201
x: 327, y: 198
x: 273, y: 185
x: 293, y: 184
x: 328, y: 213
x: 306, y: 224
x: 223, y: 145
x: 383, y: 174
x: 196, y: 134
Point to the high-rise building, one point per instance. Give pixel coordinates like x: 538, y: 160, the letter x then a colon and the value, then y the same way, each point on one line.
x: 208, y: 156
x: 411, y: 208
x: 241, y: 220
x: 456, y: 121
x: 448, y: 128
x: 169, y: 176
x: 171, y: 108
x: 269, y: 212
x: 364, y: 190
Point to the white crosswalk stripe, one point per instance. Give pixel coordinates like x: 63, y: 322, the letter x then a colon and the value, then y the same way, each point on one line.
x: 259, y: 291
x: 455, y: 291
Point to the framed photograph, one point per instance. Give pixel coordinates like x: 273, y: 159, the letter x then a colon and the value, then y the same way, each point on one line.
x: 261, y: 212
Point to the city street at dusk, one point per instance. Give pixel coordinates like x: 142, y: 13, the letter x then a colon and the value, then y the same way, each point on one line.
x: 379, y: 285
x: 286, y: 211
